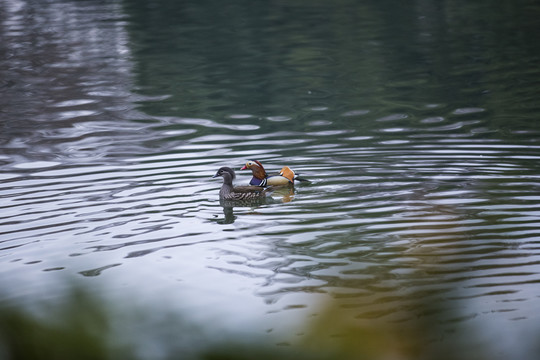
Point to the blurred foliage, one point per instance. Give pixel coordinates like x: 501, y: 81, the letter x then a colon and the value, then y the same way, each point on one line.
x: 81, y: 327
x: 76, y: 328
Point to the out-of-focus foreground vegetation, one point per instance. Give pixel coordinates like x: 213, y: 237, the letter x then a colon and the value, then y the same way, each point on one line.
x: 83, y: 327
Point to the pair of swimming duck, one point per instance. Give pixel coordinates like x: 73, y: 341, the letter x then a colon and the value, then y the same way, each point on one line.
x: 259, y: 186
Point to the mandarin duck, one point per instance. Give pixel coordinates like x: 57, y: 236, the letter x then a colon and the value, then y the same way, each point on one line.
x: 230, y: 192
x: 260, y: 178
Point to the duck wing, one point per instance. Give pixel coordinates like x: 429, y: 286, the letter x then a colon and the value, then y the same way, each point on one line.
x: 278, y: 180
x: 248, y: 189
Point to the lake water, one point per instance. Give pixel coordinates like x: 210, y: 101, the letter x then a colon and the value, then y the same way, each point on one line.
x: 417, y: 123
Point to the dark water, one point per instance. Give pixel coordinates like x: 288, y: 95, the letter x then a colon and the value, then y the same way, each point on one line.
x: 417, y: 123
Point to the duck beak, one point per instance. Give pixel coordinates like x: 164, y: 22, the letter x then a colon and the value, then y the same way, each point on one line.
x: 244, y: 168
x: 215, y: 176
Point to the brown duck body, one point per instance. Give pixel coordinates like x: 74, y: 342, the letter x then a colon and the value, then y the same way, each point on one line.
x: 230, y: 192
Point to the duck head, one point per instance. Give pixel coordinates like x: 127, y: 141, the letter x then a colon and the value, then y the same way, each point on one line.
x: 256, y: 168
x: 286, y: 172
x: 226, y: 173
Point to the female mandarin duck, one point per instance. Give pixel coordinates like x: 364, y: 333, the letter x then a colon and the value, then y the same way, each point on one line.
x: 230, y: 192
x: 260, y: 177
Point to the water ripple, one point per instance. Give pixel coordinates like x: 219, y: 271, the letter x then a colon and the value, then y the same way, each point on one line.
x: 431, y: 200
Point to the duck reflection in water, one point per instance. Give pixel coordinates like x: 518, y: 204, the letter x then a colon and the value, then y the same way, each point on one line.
x: 231, y: 196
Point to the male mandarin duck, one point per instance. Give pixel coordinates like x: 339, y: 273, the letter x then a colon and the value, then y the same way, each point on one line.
x: 230, y: 192
x: 261, y: 178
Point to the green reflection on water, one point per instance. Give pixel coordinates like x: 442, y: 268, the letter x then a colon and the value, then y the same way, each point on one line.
x: 281, y: 58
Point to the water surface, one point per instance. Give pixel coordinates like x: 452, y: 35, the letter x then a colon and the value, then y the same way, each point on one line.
x: 417, y: 125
